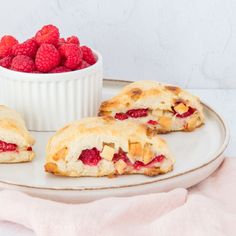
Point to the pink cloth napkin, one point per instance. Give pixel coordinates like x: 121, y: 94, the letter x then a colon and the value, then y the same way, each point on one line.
x: 207, y: 209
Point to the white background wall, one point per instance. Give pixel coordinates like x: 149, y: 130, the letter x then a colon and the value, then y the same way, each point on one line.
x: 187, y: 42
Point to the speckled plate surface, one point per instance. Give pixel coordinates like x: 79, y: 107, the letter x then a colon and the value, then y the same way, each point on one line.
x: 197, y: 155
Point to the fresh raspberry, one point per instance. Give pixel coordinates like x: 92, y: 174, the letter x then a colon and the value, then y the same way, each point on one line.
x: 83, y: 65
x: 136, y: 113
x: 73, y: 39
x: 90, y: 157
x: 28, y: 48
x: 23, y: 63
x: 48, y: 34
x: 8, y: 41
x: 88, y: 55
x: 71, y: 55
x: 6, y: 62
x: 5, y: 51
x: 60, y: 69
x: 121, y: 116
x: 152, y: 122
x: 47, y: 58
x: 60, y: 42
x: 6, y: 44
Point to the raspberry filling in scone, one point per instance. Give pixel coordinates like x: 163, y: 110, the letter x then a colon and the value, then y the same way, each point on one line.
x: 92, y: 157
x: 16, y: 142
x: 7, y: 147
x: 11, y: 147
x: 104, y: 146
x: 134, y: 113
x: 163, y: 108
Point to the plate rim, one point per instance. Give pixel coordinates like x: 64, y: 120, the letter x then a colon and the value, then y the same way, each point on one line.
x: 216, y: 156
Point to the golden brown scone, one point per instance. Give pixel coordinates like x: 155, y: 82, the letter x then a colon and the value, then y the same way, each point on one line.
x: 164, y: 108
x: 104, y: 146
x: 15, y: 140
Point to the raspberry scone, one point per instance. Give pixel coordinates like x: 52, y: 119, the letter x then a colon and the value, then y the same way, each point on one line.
x: 104, y: 146
x: 164, y: 108
x: 15, y: 140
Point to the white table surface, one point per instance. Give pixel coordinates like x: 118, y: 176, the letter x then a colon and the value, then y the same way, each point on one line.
x: 222, y: 100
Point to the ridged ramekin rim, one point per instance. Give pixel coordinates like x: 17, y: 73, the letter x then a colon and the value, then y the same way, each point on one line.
x: 51, y: 77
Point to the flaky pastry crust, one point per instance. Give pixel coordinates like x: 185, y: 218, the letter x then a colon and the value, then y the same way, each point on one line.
x: 109, y: 136
x: 13, y: 130
x: 163, y: 103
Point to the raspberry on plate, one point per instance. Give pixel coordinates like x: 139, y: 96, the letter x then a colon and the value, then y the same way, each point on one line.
x: 71, y: 55
x: 6, y: 62
x: 60, y: 69
x: 48, y: 34
x: 73, y: 39
x: 23, y: 63
x: 6, y: 44
x: 28, y: 48
x: 47, y: 58
x: 88, y: 55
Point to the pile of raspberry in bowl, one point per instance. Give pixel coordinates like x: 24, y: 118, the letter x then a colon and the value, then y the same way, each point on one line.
x: 46, y: 52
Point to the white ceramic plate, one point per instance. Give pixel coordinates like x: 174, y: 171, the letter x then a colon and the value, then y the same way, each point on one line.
x: 197, y: 155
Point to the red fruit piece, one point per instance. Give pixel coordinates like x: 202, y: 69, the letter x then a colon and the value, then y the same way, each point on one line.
x: 61, y: 41
x: 29, y: 149
x: 73, y: 39
x: 23, y: 63
x: 136, y: 113
x: 152, y: 122
x: 5, y: 51
x: 71, y: 55
x: 83, y: 65
x: 6, y: 45
x: 138, y: 164
x: 159, y: 158
x: 88, y: 55
x: 48, y: 34
x: 28, y: 48
x: 60, y: 69
x: 6, y: 62
x: 121, y: 116
x: 186, y: 114
x: 121, y: 155
x: 47, y: 58
x: 8, y: 41
x: 7, y: 147
x: 90, y: 157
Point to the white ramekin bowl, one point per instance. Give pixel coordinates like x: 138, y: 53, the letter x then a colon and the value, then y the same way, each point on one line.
x: 49, y: 101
